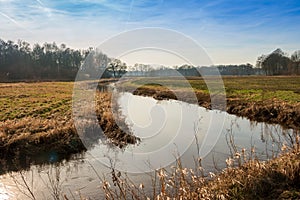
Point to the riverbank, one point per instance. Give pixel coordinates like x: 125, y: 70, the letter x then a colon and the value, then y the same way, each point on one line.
x: 244, y: 178
x: 36, y: 124
x: 37, y: 117
x: 36, y: 120
x: 278, y: 178
x: 266, y: 99
x: 258, y: 98
x: 30, y: 111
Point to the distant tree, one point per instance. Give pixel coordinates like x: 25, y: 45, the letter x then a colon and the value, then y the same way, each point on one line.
x: 188, y: 70
x: 295, y: 64
x: 114, y: 66
x: 260, y: 60
x: 117, y: 67
x: 20, y: 61
x: 101, y: 61
x: 276, y: 63
x: 122, y: 69
x: 37, y: 54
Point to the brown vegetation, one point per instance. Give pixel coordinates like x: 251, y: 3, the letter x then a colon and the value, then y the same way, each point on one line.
x: 244, y: 178
x: 36, y: 118
x: 112, y: 122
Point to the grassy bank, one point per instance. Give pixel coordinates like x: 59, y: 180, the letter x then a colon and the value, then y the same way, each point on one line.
x: 36, y: 117
x: 244, y: 178
x: 259, y: 98
x: 36, y: 120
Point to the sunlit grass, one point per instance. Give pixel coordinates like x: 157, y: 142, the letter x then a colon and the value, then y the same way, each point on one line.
x: 19, y: 100
x: 37, y: 117
x: 253, y: 88
x: 36, y: 113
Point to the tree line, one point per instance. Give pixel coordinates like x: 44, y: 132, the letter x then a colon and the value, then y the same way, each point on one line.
x: 21, y: 61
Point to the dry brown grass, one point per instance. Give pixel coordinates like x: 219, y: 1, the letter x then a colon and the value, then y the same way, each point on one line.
x: 37, y: 117
x: 248, y: 178
x: 278, y: 178
x: 113, y: 125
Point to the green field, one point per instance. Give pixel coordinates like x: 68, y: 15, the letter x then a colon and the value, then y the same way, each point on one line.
x: 44, y: 100
x: 251, y: 88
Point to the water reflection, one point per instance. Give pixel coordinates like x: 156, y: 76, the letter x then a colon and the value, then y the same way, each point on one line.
x: 158, y: 125
x: 169, y: 127
x: 76, y: 179
x: 40, y: 158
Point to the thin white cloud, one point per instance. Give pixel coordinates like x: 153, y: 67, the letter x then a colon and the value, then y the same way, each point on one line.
x: 120, y: 6
x: 15, y: 22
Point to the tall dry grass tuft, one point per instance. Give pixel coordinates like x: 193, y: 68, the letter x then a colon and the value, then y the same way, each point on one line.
x: 244, y: 178
x: 28, y: 135
x: 278, y: 178
x: 114, y: 126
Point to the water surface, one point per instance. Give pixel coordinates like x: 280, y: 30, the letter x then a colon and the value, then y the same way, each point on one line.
x: 167, y: 129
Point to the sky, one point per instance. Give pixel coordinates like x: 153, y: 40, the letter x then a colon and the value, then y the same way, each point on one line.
x: 230, y: 31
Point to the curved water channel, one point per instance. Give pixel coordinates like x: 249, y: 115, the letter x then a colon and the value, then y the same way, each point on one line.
x: 167, y: 128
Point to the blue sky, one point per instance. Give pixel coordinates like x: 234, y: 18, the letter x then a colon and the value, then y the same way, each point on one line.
x: 231, y: 32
